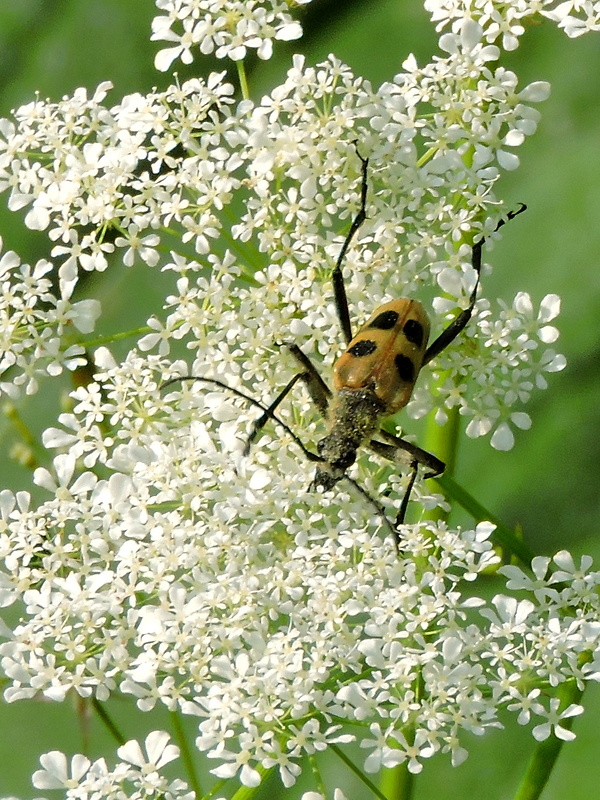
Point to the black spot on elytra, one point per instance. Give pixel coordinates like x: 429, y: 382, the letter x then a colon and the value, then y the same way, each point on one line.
x: 413, y: 331
x: 385, y: 321
x: 405, y: 367
x: 363, y: 348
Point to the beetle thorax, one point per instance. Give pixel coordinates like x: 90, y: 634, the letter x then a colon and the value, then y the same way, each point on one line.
x: 354, y: 417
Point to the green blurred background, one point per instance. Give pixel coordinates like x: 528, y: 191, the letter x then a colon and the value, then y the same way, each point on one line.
x: 548, y: 483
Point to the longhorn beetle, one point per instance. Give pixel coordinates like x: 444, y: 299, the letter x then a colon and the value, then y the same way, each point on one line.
x: 373, y: 379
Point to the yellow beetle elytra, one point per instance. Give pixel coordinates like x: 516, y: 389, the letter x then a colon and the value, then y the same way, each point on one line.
x: 386, y: 354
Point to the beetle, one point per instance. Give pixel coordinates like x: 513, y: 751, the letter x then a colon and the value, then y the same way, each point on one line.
x: 373, y: 379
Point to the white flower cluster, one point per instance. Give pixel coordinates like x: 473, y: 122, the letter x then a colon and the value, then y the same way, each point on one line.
x: 227, y: 28
x: 230, y: 28
x: 510, y: 367
x: 576, y: 17
x: 166, y: 565
x: 113, y: 179
x: 36, y: 326
x: 506, y: 20
x: 186, y: 581
x: 137, y: 776
x: 98, y: 179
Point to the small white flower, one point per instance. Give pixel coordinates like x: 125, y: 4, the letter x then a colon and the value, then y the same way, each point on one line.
x: 337, y: 795
x: 511, y: 614
x: 383, y: 754
x: 57, y: 773
x: 554, y: 718
x: 525, y: 704
x: 157, y: 752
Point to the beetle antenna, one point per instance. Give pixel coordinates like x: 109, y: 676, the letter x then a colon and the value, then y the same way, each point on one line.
x: 339, y: 290
x: 267, y: 412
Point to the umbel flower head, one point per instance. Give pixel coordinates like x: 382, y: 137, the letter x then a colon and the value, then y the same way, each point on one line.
x: 291, y: 162
x: 164, y: 564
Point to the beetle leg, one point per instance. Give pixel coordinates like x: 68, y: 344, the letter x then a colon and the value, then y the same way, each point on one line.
x: 318, y: 390
x: 269, y: 412
x: 378, y: 508
x: 405, y: 452
x: 404, y: 505
x: 401, y: 451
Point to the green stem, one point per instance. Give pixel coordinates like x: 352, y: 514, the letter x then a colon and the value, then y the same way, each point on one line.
x: 398, y: 783
x: 186, y: 754
x: 241, y: 70
x: 83, y: 715
x: 104, y: 716
x: 317, y: 775
x: 546, y: 753
x: 503, y: 535
x: 216, y: 789
x: 246, y: 792
x: 427, y: 156
x: 352, y: 766
x: 29, y: 453
x: 442, y: 440
x: 115, y: 337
